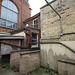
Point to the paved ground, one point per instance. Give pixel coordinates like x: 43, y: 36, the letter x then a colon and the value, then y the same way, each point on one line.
x: 40, y: 71
x: 8, y: 72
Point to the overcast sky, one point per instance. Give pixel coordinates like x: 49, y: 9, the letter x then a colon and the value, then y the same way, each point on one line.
x: 35, y: 6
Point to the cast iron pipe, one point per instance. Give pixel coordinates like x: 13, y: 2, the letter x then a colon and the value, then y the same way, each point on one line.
x: 58, y: 15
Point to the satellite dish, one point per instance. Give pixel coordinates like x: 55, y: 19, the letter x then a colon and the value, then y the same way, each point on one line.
x: 27, y: 25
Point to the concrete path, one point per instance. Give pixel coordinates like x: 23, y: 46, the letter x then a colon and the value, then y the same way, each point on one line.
x: 8, y: 72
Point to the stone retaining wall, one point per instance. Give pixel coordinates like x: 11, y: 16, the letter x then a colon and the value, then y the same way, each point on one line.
x: 15, y: 58
x: 25, y: 61
x: 66, y: 67
x: 29, y: 62
x: 50, y: 53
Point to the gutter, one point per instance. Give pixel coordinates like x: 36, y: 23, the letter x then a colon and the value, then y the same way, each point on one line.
x: 31, y: 17
x: 58, y: 15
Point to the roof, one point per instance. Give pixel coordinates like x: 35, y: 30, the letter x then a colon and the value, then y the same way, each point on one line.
x: 31, y: 17
x: 17, y: 31
x: 31, y: 26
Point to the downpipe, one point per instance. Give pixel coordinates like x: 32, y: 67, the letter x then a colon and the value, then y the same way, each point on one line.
x: 61, y: 33
x: 61, y: 26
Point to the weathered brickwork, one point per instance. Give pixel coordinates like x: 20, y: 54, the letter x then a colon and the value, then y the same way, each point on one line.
x: 29, y: 62
x: 30, y: 20
x: 25, y: 60
x: 50, y: 53
x: 55, y: 46
x: 24, y: 12
x: 67, y: 69
x: 6, y: 49
x: 50, y: 22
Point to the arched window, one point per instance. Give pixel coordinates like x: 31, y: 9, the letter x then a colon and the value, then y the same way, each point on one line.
x: 9, y: 14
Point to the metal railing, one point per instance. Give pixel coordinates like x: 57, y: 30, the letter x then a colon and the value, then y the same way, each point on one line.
x: 21, y: 47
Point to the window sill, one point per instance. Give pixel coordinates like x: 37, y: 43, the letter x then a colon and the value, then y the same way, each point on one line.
x: 7, y: 28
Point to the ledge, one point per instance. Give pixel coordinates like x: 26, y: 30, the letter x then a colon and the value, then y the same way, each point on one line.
x: 69, y: 61
x: 30, y: 52
x: 11, y: 37
x: 13, y: 51
x: 60, y: 44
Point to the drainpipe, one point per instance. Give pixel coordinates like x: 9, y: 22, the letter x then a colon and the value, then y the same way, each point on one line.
x: 21, y: 13
x: 61, y: 26
x: 40, y: 32
x: 29, y: 32
x: 58, y: 15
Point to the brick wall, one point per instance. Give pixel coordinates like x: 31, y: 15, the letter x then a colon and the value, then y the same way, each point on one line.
x: 35, y: 30
x: 24, y: 12
x: 50, y: 22
x: 6, y: 49
x: 51, y: 48
x: 14, y: 42
x: 30, y: 21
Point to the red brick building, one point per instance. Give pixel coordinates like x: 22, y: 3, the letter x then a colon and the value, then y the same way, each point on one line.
x: 17, y: 29
x: 33, y: 25
x: 13, y: 12
x: 31, y: 30
x: 15, y: 21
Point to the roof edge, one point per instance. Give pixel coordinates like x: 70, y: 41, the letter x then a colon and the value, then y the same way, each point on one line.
x: 31, y: 17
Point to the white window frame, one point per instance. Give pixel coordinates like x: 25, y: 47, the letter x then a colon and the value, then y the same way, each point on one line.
x: 34, y: 20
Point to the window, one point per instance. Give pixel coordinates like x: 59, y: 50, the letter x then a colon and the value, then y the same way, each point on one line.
x: 34, y: 39
x: 35, y: 23
x: 9, y: 15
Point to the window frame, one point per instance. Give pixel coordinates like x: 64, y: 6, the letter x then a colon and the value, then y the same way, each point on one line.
x: 12, y: 22
x: 33, y: 22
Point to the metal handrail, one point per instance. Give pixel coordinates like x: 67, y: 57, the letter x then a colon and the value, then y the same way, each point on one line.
x: 13, y: 45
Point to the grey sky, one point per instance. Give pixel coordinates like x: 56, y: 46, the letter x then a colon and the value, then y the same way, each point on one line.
x: 35, y: 6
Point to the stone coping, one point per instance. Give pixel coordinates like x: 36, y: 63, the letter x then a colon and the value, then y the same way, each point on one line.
x: 29, y: 52
x: 69, y: 61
